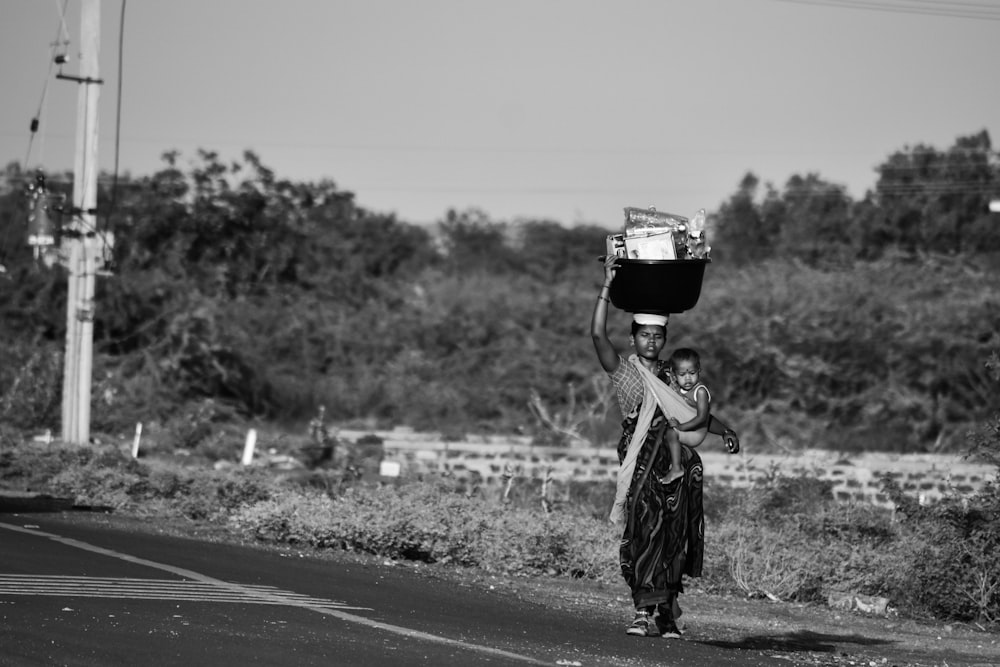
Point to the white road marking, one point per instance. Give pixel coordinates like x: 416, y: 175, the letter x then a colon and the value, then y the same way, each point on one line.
x: 269, y: 595
x: 154, y: 589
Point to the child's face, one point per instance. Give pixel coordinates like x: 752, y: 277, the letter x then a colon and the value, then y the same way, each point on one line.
x: 687, y: 373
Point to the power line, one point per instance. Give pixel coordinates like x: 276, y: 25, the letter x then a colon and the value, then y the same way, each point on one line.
x: 970, y: 187
x: 521, y: 191
x: 211, y: 144
x: 63, y: 30
x: 56, y: 43
x: 118, y: 116
x: 529, y: 150
x: 932, y: 188
x: 975, y: 10
x: 957, y: 3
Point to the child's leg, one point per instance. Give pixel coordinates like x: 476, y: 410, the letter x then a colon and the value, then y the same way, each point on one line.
x: 676, y: 470
x: 692, y: 438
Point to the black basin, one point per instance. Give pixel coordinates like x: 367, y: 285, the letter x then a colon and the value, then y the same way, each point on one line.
x: 657, y: 285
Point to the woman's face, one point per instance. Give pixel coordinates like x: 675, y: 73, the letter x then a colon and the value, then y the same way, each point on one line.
x: 649, y: 340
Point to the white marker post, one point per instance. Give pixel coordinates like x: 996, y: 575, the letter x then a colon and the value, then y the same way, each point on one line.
x: 135, y: 442
x: 389, y: 468
x: 249, y: 447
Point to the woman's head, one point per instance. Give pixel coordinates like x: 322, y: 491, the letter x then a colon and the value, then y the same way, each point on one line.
x: 648, y: 319
x: 649, y: 334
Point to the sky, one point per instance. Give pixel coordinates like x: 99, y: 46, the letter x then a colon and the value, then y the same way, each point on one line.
x: 564, y: 110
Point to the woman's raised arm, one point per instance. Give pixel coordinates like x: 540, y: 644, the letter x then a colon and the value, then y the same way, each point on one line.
x: 606, y: 352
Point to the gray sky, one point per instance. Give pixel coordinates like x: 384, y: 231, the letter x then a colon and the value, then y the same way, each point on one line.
x: 562, y: 109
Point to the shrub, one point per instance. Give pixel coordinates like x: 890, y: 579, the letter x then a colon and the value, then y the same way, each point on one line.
x: 33, y: 391
x: 778, y: 563
x: 777, y: 497
x: 433, y: 523
x: 788, y: 539
x: 947, y: 555
x: 106, y: 476
x: 984, y: 441
x: 106, y: 479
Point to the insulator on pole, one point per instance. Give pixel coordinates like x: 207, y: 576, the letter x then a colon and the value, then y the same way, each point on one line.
x: 41, y: 228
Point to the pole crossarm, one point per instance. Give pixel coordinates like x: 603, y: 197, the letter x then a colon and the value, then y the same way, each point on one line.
x: 79, y: 79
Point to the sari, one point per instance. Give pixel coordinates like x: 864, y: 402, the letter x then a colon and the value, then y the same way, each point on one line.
x: 664, y: 532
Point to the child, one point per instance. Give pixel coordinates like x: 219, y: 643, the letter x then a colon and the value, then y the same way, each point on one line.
x: 685, y: 369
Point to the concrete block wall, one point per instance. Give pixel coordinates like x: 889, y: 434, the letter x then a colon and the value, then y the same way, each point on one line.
x: 484, y: 459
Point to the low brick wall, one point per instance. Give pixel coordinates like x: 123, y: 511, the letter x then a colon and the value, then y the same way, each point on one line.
x: 484, y: 459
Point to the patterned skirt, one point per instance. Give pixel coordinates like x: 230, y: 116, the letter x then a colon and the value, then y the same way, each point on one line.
x: 664, y: 536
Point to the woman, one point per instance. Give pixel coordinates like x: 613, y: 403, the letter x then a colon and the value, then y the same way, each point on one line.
x: 663, y: 534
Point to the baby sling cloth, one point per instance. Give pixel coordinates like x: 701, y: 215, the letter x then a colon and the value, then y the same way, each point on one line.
x: 655, y: 393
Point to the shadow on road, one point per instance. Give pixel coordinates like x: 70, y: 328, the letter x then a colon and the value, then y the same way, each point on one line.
x: 12, y: 502
x: 797, y: 641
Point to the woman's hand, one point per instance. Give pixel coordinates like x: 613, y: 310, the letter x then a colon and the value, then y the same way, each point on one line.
x: 732, y: 441
x: 673, y: 422
x: 610, y: 267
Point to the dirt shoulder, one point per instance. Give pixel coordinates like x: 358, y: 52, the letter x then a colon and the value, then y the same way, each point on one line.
x: 792, y: 634
x: 798, y: 634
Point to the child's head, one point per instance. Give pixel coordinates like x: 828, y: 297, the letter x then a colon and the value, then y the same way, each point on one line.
x: 685, y: 364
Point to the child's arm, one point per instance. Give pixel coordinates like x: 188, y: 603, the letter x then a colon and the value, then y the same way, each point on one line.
x: 700, y: 420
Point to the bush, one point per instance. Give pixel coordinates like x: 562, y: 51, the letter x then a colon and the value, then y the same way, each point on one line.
x: 32, y: 379
x: 947, y: 565
x: 984, y: 441
x: 432, y: 523
x: 777, y: 499
x: 106, y: 476
x: 788, y: 539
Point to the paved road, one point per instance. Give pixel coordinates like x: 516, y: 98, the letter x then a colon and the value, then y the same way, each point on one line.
x: 73, y: 593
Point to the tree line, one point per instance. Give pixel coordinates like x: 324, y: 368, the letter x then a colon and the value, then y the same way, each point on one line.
x: 924, y: 200
x: 235, y: 293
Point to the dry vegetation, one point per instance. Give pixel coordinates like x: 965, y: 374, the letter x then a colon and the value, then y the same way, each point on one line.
x: 241, y: 297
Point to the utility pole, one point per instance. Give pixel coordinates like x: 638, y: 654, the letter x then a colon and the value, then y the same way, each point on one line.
x: 81, y: 244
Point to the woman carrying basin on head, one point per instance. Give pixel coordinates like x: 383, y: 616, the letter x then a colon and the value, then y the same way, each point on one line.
x: 662, y: 525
